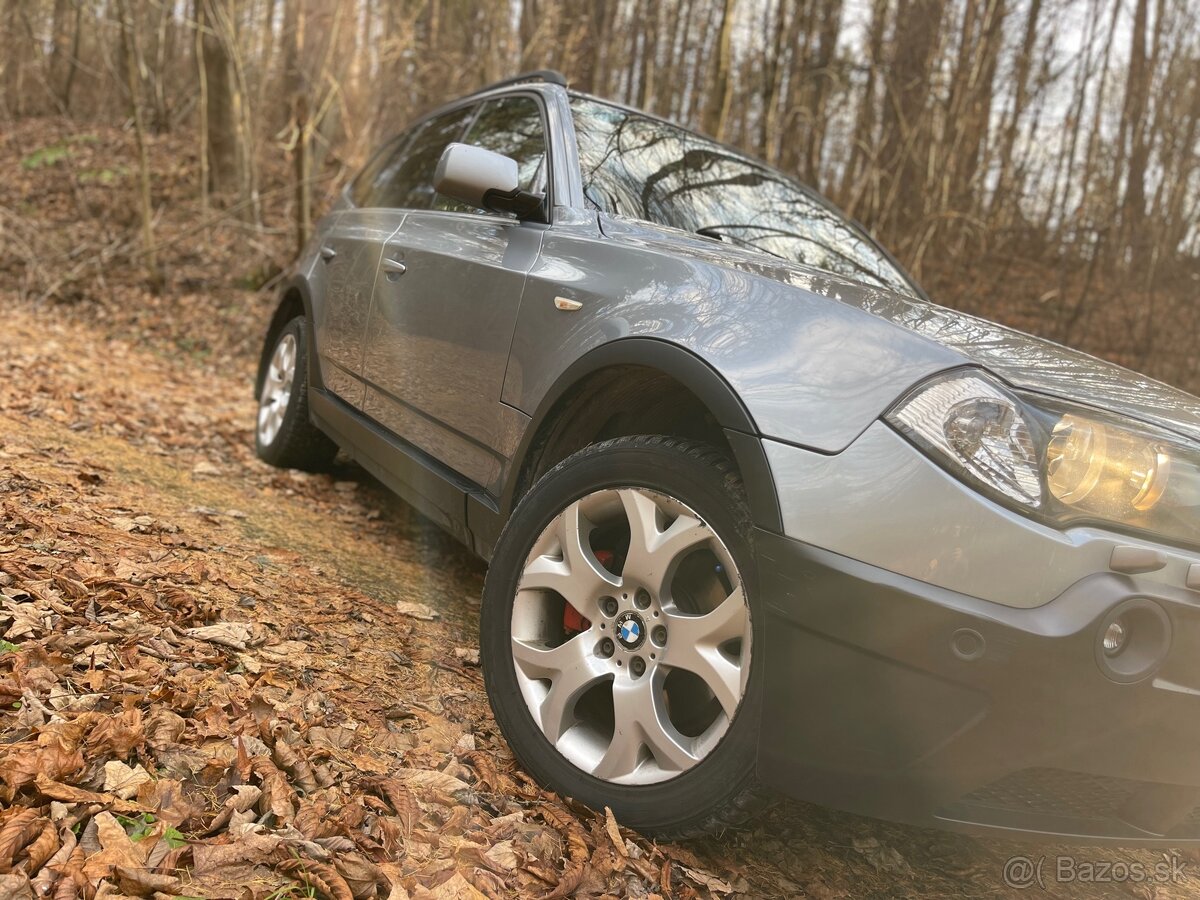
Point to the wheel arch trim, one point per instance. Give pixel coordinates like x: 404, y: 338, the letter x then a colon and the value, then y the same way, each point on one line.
x: 685, y: 367
x: 292, y: 288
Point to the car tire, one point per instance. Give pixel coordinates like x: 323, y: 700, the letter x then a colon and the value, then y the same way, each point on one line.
x: 284, y: 435
x: 662, y: 792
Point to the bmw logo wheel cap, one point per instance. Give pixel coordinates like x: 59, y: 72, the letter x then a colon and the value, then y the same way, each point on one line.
x: 631, y: 630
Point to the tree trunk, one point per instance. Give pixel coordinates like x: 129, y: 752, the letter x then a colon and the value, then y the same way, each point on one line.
x: 60, y: 61
x: 294, y: 33
x: 1133, y: 135
x: 855, y: 181
x: 905, y: 136
x: 527, y: 34
x: 776, y: 23
x: 12, y: 61
x: 224, y: 149
x: 1002, y: 198
x: 973, y: 112
x: 830, y: 26
x: 132, y: 55
x: 716, y: 110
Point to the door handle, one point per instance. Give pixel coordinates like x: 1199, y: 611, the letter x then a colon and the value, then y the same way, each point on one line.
x: 394, y: 268
x: 327, y: 253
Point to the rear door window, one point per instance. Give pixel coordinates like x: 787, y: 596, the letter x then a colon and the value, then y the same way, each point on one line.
x: 364, y: 190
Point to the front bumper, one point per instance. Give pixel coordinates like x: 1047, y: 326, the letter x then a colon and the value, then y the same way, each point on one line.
x: 891, y: 697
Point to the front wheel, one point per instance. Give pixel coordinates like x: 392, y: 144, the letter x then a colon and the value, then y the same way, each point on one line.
x: 619, y: 629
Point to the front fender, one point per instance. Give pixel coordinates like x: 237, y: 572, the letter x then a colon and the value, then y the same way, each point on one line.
x: 688, y: 369
x: 800, y: 350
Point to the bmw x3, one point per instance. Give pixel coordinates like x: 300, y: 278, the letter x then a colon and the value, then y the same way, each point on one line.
x: 761, y: 518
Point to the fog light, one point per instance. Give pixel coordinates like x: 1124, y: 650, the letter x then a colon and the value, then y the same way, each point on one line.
x: 1115, y: 637
x: 1132, y: 640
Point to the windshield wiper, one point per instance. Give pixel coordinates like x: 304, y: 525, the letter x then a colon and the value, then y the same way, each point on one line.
x: 720, y: 233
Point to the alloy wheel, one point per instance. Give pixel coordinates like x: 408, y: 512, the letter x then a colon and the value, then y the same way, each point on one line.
x: 277, y: 390
x: 631, y: 636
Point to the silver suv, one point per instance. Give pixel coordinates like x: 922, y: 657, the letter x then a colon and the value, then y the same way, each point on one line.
x: 760, y: 516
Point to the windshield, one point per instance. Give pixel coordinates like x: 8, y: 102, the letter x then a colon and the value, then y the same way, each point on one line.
x: 643, y: 168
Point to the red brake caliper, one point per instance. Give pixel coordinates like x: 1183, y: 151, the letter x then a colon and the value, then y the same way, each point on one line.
x: 573, y: 620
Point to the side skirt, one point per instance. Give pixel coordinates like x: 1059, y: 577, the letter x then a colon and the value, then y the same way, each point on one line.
x: 433, y: 489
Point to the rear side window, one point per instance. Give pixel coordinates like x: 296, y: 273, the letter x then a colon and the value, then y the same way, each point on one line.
x: 365, y: 187
x: 512, y: 127
x: 405, y: 180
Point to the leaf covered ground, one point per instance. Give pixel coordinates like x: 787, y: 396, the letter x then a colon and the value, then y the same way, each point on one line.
x: 222, y: 680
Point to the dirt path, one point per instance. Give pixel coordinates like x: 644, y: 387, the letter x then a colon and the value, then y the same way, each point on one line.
x: 243, y: 629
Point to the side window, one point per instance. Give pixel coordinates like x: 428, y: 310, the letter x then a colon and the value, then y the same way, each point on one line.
x: 365, y: 187
x: 511, y: 126
x: 407, y: 180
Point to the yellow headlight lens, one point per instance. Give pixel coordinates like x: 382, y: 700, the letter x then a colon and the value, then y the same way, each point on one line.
x: 1055, y: 460
x: 1105, y: 470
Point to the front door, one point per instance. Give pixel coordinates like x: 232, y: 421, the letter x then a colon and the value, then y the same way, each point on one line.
x: 438, y: 337
x: 446, y: 301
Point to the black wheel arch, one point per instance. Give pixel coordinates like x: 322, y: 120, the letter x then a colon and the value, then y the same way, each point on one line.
x: 715, y: 395
x: 294, y: 300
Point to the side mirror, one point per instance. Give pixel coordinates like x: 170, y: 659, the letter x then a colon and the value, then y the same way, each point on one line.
x: 486, y: 180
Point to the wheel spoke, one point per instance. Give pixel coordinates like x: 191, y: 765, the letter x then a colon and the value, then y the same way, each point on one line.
x: 578, y: 575
x: 643, y: 516
x: 641, y: 721
x: 694, y: 642
x: 571, y: 669
x: 653, y: 550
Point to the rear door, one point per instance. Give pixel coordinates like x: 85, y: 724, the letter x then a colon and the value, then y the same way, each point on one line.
x: 349, y: 257
x: 445, y: 303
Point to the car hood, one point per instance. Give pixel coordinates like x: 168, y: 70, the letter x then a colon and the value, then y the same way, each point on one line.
x: 932, y: 339
x: 1024, y: 361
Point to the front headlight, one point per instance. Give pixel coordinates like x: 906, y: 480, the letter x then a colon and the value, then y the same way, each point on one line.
x: 1056, y: 461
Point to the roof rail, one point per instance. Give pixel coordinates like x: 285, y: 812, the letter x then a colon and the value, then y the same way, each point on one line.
x: 549, y: 76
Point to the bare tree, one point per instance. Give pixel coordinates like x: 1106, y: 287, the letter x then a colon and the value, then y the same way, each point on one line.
x: 1047, y: 179
x: 129, y: 42
x: 223, y: 152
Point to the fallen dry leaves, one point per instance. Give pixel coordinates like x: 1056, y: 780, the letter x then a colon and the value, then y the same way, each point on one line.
x: 220, y: 680
x: 182, y: 715
x: 163, y: 765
